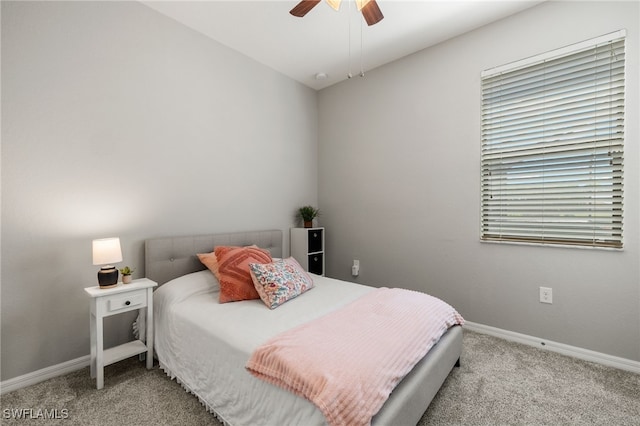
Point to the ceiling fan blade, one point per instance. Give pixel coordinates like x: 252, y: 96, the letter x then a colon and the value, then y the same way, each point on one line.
x: 303, y: 7
x: 372, y: 13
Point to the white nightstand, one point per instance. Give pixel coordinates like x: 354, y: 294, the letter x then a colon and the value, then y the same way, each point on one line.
x: 112, y: 301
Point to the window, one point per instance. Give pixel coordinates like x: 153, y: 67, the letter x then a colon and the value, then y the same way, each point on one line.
x: 552, y: 147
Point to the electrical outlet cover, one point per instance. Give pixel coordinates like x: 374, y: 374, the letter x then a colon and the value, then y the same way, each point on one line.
x: 546, y: 295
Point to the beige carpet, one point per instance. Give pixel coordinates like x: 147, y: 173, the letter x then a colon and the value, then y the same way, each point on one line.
x: 498, y: 383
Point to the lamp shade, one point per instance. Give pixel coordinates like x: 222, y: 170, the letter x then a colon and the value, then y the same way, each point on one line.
x: 106, y: 251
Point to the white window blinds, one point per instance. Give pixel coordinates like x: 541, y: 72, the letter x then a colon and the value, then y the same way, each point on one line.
x: 552, y: 147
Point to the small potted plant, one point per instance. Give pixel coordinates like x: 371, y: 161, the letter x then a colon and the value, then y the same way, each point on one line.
x: 307, y: 214
x: 126, y: 274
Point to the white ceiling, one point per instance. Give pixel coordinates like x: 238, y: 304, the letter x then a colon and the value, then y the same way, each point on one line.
x: 330, y: 42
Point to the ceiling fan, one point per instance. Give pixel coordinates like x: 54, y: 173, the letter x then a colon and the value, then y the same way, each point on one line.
x: 369, y: 8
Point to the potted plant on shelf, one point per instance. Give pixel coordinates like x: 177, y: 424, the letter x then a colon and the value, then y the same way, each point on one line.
x: 307, y: 214
x: 126, y: 274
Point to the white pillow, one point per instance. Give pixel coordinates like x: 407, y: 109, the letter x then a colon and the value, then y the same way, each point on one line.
x: 182, y: 287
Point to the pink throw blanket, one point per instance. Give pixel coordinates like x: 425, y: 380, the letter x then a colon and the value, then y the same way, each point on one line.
x: 348, y: 361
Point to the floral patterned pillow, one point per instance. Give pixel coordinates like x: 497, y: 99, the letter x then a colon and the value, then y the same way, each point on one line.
x: 279, y: 281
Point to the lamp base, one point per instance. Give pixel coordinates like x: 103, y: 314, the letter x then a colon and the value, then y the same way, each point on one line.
x: 104, y: 287
x: 108, y: 277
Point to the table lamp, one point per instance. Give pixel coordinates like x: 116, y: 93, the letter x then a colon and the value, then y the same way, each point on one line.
x: 105, y: 252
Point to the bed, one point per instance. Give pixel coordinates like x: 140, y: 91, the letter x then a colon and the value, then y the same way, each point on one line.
x: 212, y: 367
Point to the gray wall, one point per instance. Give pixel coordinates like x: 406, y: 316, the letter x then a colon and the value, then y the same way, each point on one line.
x: 399, y: 155
x: 118, y: 121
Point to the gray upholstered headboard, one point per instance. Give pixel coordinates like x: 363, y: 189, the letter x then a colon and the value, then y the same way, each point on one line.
x: 170, y: 257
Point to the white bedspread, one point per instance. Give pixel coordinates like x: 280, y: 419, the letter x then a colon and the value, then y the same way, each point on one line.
x: 206, y: 345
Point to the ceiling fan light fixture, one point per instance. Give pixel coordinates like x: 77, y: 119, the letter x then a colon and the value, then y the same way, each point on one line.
x: 369, y: 8
x: 335, y: 4
x: 361, y: 3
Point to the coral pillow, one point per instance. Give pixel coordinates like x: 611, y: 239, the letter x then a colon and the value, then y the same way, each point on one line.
x: 209, y: 260
x: 280, y: 281
x: 233, y: 271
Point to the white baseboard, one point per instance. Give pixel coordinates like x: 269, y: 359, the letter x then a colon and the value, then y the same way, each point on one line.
x: 573, y: 351
x: 44, y: 374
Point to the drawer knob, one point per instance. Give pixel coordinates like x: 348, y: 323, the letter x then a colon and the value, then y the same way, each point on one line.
x: 127, y: 303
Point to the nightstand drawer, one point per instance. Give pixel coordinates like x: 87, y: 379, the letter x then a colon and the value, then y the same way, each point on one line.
x: 130, y: 300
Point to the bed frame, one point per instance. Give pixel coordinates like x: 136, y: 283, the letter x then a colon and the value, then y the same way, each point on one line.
x: 171, y: 257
